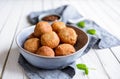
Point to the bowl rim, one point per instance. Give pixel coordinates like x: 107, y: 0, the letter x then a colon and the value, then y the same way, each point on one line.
x: 47, y: 57
x: 47, y: 14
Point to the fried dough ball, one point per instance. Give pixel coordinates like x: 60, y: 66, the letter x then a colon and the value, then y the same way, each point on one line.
x: 32, y: 44
x: 64, y: 49
x: 31, y: 36
x: 46, y: 51
x: 50, y: 39
x: 41, y: 28
x: 57, y: 25
x: 68, y: 35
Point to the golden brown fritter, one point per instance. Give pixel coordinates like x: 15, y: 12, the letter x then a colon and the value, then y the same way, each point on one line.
x: 64, y: 49
x: 41, y: 28
x: 31, y: 36
x: 50, y: 39
x: 57, y: 25
x: 46, y: 51
x: 68, y: 35
x: 32, y: 45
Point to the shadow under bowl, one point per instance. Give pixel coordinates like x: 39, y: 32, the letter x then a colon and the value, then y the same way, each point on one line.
x: 52, y: 62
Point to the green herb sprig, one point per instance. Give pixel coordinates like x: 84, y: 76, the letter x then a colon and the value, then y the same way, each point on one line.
x: 91, y: 31
x: 84, y: 67
x: 81, y: 24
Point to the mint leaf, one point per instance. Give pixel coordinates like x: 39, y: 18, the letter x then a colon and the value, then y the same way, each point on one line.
x: 81, y: 24
x: 86, y: 71
x: 91, y: 31
x: 83, y: 67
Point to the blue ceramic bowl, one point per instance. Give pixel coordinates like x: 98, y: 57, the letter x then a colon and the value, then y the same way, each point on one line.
x: 52, y: 62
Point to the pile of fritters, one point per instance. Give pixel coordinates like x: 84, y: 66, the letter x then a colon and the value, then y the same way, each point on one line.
x: 51, y: 40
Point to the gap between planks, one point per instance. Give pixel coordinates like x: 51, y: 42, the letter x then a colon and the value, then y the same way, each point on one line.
x: 9, y: 49
x: 21, y: 24
x: 3, y: 59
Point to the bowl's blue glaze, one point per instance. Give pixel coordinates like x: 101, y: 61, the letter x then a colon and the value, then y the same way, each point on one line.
x: 51, y: 62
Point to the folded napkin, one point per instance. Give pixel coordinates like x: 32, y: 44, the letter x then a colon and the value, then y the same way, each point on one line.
x: 102, y: 39
x: 66, y: 11
x: 37, y: 73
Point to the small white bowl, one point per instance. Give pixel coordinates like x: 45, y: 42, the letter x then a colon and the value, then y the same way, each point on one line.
x: 40, y: 18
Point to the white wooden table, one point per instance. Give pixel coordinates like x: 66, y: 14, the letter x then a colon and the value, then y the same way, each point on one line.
x: 13, y: 19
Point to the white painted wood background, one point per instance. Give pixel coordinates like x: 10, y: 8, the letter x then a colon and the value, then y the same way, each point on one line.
x: 13, y: 19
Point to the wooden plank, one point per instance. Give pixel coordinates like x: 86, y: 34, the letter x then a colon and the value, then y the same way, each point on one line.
x: 79, y: 7
x: 114, y: 5
x: 65, y: 2
x: 17, y: 72
x: 110, y: 12
x: 2, y: 4
x: 108, y: 23
x: 116, y: 52
x: 92, y: 61
x: 109, y: 62
x: 6, y: 37
x: 37, y: 5
x: 8, y: 33
x: 47, y: 4
x: 5, y: 12
x: 56, y: 3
